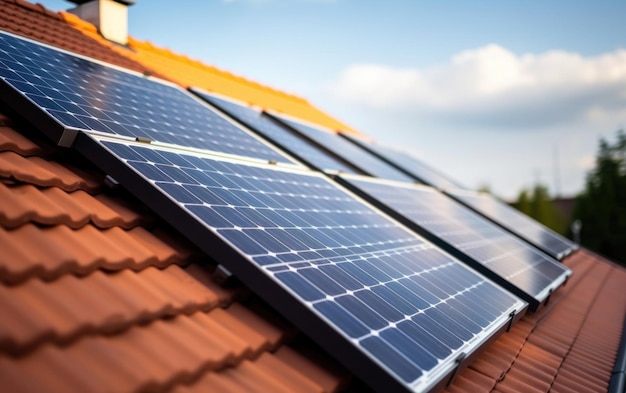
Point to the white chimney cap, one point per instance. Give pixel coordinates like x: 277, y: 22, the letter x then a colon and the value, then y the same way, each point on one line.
x: 109, y: 16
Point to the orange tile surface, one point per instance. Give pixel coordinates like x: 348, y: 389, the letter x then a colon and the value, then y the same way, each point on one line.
x: 193, y: 73
x: 97, y: 294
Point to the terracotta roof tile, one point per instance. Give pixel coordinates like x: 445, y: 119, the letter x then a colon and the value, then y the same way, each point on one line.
x: 61, y: 249
x: 213, y: 322
x: 580, y: 383
x: 160, y: 353
x: 532, y: 380
x: 252, y: 334
x: 52, y: 205
x: 320, y: 369
x: 490, y: 366
x: 534, y: 357
x: 65, y: 308
x: 212, y: 382
x: 11, y: 140
x: 292, y: 379
x: 180, y: 348
x: 29, y: 204
x: 126, y: 216
x: 472, y: 381
x: 251, y: 378
x: 274, y: 333
x: 225, y: 295
x: 43, y: 173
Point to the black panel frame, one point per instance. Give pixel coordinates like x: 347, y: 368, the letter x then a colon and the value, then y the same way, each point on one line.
x: 199, y: 93
x: 399, y: 167
x: 27, y: 109
x: 277, y: 119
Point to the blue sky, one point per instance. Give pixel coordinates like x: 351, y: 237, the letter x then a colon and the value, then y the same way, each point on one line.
x: 490, y: 92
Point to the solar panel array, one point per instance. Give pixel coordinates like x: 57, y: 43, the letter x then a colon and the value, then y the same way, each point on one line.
x: 402, y: 313
x: 407, y: 164
x: 280, y: 136
x: 83, y: 94
x: 366, y: 162
x: 406, y: 305
x: 517, y: 223
x: 532, y: 274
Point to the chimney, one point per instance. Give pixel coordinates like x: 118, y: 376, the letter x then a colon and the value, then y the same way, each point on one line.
x: 109, y: 16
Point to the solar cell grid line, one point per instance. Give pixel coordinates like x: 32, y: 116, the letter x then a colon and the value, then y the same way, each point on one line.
x: 367, y: 163
x: 279, y: 136
x: 512, y: 263
x: 407, y: 164
x: 63, y: 93
x: 398, y: 311
x: 516, y: 222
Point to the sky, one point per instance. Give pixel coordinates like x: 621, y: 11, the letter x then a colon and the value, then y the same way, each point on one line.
x: 503, y: 94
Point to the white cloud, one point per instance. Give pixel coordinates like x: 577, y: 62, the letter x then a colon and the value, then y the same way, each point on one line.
x: 494, y: 87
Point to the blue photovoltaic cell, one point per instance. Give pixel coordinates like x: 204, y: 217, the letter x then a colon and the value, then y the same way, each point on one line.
x: 279, y: 135
x: 533, y: 272
x: 516, y: 222
x: 367, y: 162
x: 406, y: 305
x: 411, y: 165
x: 89, y: 96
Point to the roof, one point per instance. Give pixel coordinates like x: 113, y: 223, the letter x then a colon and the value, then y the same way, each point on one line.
x: 98, y: 294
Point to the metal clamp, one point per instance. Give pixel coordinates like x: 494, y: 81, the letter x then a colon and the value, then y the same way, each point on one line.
x: 459, y: 361
x: 143, y: 139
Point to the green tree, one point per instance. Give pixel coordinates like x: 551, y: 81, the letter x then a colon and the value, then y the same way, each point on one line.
x: 538, y: 204
x: 602, y: 206
x: 523, y: 203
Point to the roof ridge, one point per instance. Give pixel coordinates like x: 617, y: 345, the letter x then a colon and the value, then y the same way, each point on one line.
x: 200, y: 64
x: 76, y: 21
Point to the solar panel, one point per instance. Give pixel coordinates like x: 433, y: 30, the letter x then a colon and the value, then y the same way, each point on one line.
x: 367, y: 163
x: 61, y: 93
x: 512, y: 263
x: 398, y: 311
x: 407, y: 164
x: 516, y: 222
x: 282, y: 137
